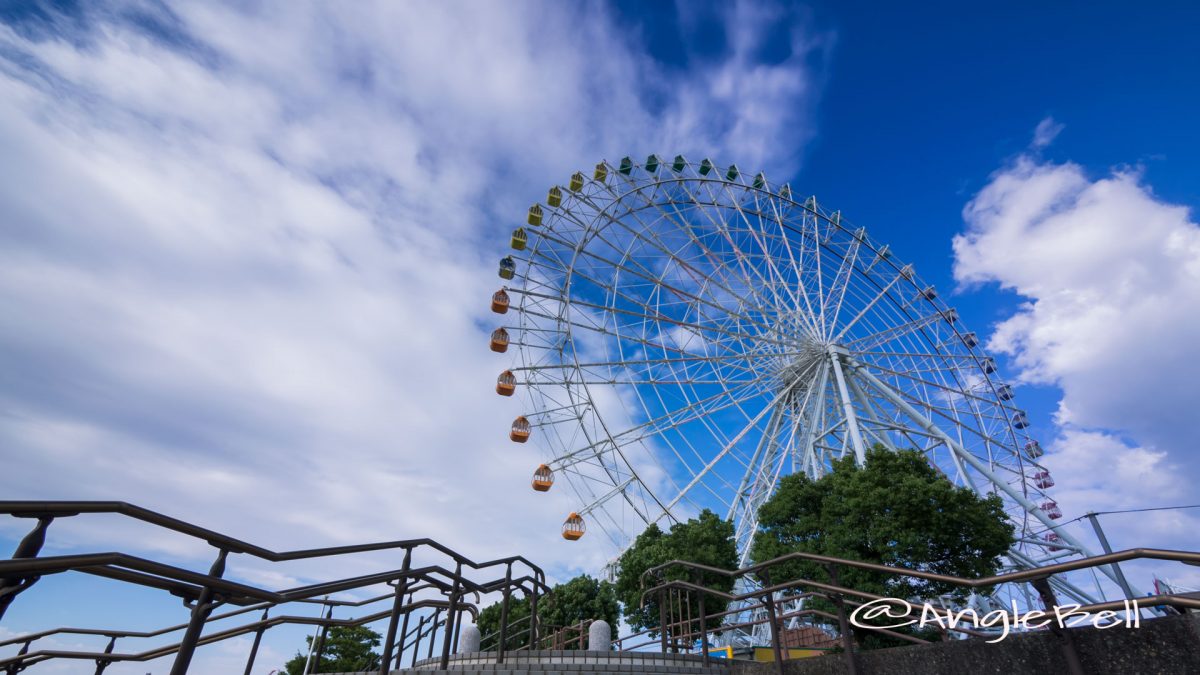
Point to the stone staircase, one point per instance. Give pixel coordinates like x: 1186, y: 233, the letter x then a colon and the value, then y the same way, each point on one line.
x: 555, y: 662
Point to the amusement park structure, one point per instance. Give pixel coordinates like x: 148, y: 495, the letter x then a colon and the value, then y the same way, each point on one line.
x: 686, y: 334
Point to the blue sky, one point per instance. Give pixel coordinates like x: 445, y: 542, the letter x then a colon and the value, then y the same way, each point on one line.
x: 246, y: 250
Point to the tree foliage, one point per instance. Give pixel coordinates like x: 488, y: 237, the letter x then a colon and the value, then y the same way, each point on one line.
x: 707, y: 540
x: 347, y: 649
x: 580, y: 599
x: 896, y: 510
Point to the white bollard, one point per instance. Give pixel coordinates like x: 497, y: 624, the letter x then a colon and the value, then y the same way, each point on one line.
x: 599, y: 637
x: 468, y: 639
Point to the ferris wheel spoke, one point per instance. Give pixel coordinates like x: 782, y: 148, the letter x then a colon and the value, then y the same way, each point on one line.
x: 728, y: 446
x: 744, y: 259
x: 946, y: 414
x: 797, y: 267
x: 654, y: 315
x: 841, y: 279
x: 675, y: 418
x: 650, y: 279
x: 891, y: 333
x: 676, y: 217
x: 612, y: 219
x: 870, y: 305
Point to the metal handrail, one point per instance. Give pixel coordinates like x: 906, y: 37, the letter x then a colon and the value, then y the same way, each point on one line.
x: 205, y: 592
x: 1038, y: 577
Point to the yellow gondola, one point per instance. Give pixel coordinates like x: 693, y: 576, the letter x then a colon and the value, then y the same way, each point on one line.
x: 554, y: 198
x: 519, y: 239
x: 506, y: 384
x: 499, y: 340
x: 543, y: 478
x: 573, y: 527
x: 576, y: 181
x: 535, y: 215
x: 520, y: 430
x: 601, y: 172
x: 500, y: 302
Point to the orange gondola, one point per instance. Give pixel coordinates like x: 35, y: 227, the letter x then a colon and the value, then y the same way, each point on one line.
x: 543, y: 478
x: 573, y: 528
x: 500, y: 302
x: 499, y: 340
x: 520, y: 430
x: 506, y: 384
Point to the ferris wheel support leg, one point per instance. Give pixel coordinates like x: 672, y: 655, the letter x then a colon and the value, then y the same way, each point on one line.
x: 811, y: 463
x: 975, y: 462
x: 860, y: 455
x: 858, y: 393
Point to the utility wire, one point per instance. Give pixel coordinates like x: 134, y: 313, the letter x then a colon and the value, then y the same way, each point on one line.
x: 1103, y: 513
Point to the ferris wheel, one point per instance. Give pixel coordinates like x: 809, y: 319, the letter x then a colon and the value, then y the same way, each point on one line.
x: 685, y: 335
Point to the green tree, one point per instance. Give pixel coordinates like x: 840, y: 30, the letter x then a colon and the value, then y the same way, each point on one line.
x: 707, y: 540
x: 579, y: 599
x: 895, y: 510
x: 347, y: 649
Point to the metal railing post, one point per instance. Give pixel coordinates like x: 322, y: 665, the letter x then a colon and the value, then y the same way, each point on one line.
x: 437, y: 613
x: 533, y: 618
x: 403, y: 632
x: 1065, y: 638
x: 503, y: 615
x: 703, y: 618
x: 451, y: 608
x: 844, y: 625
x: 769, y: 600
x: 102, y: 663
x: 662, y: 619
x: 320, y: 648
x: 200, y: 612
x: 417, y: 643
x: 257, y: 640
x: 29, y: 547
x: 397, y: 604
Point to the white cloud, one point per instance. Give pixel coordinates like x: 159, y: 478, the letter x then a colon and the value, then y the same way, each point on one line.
x: 1045, y: 133
x: 1111, y: 274
x: 249, y: 252
x: 1110, y: 277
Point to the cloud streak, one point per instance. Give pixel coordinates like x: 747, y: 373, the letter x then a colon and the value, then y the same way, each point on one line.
x: 249, y: 249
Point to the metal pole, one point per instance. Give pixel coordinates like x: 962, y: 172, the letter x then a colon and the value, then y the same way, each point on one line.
x: 200, y: 612
x: 102, y: 663
x: 504, y: 615
x: 29, y: 547
x: 397, y: 604
x: 1074, y: 667
x: 662, y: 619
x: 533, y: 618
x: 1108, y: 549
x: 770, y: 602
x: 320, y: 645
x: 703, y: 618
x: 848, y: 408
x: 452, y: 607
x: 257, y: 640
x: 417, y: 643
x: 403, y: 633
x: 844, y: 625
x: 433, y: 632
